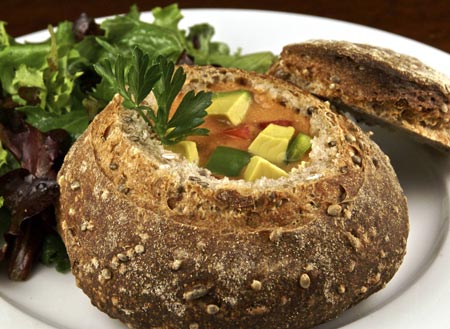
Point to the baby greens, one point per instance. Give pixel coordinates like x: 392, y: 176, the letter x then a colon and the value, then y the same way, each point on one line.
x: 54, y: 86
x: 54, y: 81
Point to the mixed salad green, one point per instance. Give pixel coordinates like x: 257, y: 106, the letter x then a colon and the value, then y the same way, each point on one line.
x: 50, y: 91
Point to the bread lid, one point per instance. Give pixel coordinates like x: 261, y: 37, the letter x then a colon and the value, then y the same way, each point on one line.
x: 377, y: 84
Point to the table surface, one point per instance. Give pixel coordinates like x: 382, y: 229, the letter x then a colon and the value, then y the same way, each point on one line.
x: 423, y: 20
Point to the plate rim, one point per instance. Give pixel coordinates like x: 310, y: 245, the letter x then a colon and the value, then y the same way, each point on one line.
x: 444, y: 251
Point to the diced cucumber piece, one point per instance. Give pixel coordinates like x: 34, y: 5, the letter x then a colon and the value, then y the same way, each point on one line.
x: 298, y: 147
x: 228, y: 161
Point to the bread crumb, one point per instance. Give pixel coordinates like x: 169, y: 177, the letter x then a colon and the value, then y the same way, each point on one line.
x: 334, y: 210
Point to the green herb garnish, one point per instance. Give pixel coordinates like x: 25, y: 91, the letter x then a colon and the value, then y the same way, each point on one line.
x: 134, y: 80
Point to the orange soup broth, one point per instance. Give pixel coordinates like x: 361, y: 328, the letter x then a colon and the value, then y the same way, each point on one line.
x: 262, y: 111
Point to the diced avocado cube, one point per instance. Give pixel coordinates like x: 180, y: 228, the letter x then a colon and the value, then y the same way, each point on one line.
x: 188, y: 149
x: 298, y: 147
x: 272, y: 143
x: 259, y: 167
x: 227, y: 161
x: 233, y: 105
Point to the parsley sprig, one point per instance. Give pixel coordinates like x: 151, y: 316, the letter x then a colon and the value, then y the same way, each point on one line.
x: 136, y: 78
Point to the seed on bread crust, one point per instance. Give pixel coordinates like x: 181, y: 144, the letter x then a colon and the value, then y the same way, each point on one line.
x: 212, y: 309
x: 357, y: 159
x: 305, y: 281
x: 123, y: 257
x: 113, y: 166
x: 350, y: 138
x: 196, y: 293
x: 334, y: 210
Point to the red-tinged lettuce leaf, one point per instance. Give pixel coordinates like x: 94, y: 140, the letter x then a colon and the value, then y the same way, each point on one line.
x: 40, y: 153
x: 84, y: 26
x: 26, y: 196
x: 24, y: 249
x: 28, y: 193
x: 5, y: 221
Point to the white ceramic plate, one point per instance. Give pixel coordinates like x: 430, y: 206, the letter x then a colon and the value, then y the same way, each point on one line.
x: 419, y: 294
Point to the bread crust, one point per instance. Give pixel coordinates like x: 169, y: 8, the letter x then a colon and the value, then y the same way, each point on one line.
x: 377, y: 84
x: 157, y: 242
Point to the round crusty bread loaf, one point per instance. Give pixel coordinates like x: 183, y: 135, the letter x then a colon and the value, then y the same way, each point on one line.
x: 376, y: 84
x: 158, y: 242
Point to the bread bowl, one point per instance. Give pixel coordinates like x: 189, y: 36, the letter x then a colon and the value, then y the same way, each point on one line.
x: 376, y: 84
x: 157, y: 241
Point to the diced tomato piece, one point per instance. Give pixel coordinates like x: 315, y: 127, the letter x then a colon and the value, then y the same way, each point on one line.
x: 284, y: 123
x: 239, y: 132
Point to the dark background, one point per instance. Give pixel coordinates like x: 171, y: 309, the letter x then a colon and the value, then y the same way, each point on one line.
x: 425, y: 21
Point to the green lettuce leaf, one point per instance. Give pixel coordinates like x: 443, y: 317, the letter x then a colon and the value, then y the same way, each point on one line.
x: 167, y: 17
x: 59, y: 80
x: 125, y: 32
x: 54, y: 253
x: 43, y: 66
x: 14, y: 56
x: 5, y: 39
x: 3, y: 156
x: 207, y: 52
x: 7, y: 162
x: 258, y: 62
x: 74, y: 122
